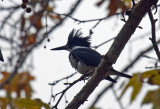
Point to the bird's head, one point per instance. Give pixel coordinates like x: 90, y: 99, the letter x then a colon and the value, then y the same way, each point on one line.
x: 75, y: 39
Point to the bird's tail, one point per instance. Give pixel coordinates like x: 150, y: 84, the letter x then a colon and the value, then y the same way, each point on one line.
x: 110, y: 79
x: 115, y: 72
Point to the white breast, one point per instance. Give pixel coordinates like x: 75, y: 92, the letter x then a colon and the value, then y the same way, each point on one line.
x: 83, y: 69
x: 79, y: 66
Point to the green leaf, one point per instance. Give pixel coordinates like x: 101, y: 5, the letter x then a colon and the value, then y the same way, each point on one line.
x: 152, y: 97
x: 136, y: 84
x: 152, y: 76
x: 30, y: 104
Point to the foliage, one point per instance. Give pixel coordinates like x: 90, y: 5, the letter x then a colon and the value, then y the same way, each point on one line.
x: 20, y: 82
x: 151, y: 77
x: 152, y: 97
x: 114, y: 5
x: 29, y: 29
x: 30, y: 104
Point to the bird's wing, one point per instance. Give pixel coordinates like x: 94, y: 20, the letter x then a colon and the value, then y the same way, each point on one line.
x: 87, y: 56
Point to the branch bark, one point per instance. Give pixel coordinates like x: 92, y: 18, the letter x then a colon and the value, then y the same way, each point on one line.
x: 135, y: 60
x: 112, y: 55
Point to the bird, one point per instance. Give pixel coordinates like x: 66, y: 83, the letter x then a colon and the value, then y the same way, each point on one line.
x: 82, y: 57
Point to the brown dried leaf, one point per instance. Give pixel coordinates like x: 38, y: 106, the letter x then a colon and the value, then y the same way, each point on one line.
x: 20, y: 82
x: 23, y: 21
x: 4, y: 102
x: 54, y: 17
x: 114, y: 5
x: 35, y: 20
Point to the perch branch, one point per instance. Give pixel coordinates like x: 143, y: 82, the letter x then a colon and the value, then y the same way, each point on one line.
x: 112, y: 55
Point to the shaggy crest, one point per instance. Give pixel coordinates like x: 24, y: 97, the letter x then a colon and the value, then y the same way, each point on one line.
x: 75, y: 39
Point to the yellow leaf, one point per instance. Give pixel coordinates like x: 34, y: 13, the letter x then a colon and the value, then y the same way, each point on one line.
x: 30, y: 104
x: 152, y: 76
x: 153, y: 97
x: 136, y: 83
x: 125, y: 4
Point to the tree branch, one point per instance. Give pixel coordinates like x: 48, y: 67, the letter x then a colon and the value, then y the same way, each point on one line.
x: 153, y: 39
x: 112, y: 55
x: 136, y: 59
x: 64, y: 91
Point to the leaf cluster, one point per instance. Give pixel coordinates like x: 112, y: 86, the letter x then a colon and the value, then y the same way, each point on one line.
x: 21, y: 89
x: 151, y: 77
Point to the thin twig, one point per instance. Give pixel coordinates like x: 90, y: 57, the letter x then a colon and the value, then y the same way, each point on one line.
x: 153, y: 39
x: 64, y: 91
x: 97, y: 46
x: 84, y: 21
x: 9, y: 16
x: 118, y: 100
x: 150, y: 57
x: 64, y: 78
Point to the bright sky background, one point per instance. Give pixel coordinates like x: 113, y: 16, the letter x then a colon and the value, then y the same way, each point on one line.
x: 53, y: 65
x: 50, y: 65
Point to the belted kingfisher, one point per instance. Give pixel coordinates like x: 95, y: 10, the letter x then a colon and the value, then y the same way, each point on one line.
x: 82, y: 57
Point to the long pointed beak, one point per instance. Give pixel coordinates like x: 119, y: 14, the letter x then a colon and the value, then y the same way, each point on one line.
x: 61, y: 48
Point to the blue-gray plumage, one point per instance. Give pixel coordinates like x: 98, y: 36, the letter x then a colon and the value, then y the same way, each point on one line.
x: 85, y: 54
x: 82, y: 57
